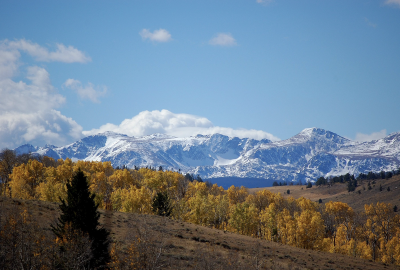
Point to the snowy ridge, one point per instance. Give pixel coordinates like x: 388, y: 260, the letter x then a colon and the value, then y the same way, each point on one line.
x: 306, y: 156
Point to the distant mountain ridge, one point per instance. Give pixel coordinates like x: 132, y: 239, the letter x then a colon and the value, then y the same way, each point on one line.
x: 306, y: 156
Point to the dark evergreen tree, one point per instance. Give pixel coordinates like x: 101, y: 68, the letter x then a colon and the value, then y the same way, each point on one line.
x: 321, y: 181
x: 351, y: 185
x: 80, y: 212
x: 162, y: 204
x: 309, y: 184
x: 198, y: 179
x: 189, y: 177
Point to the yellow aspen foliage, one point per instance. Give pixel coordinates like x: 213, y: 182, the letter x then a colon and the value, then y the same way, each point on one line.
x: 364, y: 251
x: 269, y: 226
x: 387, y: 220
x: 391, y: 252
x: 341, y: 240
x: 161, y: 181
x: 372, y: 235
x: 197, y: 189
x: 216, y: 190
x: 220, y: 212
x: 382, y: 224
x: 310, y: 230
x: 137, y: 200
x: 122, y: 179
x: 237, y: 195
x: 286, y: 226
x: 199, y: 209
x: 101, y: 186
x: 51, y: 191
x: 306, y: 204
x: 208, y: 210
x: 260, y: 199
x: 244, y: 218
x: 341, y: 212
x: 26, y: 178
x: 278, y: 200
x: 180, y: 210
x: 55, y: 181
x: 65, y: 171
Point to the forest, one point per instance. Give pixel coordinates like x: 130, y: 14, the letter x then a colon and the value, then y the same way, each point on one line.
x: 334, y: 227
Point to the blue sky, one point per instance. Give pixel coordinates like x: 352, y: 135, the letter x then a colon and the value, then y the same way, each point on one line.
x: 261, y: 69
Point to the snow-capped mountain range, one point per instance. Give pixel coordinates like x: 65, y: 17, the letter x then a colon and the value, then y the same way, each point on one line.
x: 308, y: 155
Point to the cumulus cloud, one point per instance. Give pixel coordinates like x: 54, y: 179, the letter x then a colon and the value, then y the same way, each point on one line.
x: 179, y: 125
x: 160, y: 35
x: 369, y: 137
x: 223, y: 39
x: 89, y: 91
x: 62, y: 54
x: 393, y: 2
x: 28, y: 109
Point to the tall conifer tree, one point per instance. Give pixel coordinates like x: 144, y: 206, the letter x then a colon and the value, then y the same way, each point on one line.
x: 80, y: 211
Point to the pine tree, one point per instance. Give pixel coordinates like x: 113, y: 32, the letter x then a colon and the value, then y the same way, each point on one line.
x: 309, y: 185
x: 80, y: 212
x: 162, y: 204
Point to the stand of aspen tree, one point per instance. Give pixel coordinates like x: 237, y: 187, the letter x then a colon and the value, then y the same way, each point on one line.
x: 333, y: 227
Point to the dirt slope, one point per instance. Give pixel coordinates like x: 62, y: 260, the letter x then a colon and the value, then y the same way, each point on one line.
x: 189, y: 245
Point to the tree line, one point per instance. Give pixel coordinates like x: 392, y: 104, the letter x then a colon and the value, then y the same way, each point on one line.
x: 373, y: 234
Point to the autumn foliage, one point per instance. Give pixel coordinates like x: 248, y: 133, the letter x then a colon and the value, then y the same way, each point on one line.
x: 334, y: 227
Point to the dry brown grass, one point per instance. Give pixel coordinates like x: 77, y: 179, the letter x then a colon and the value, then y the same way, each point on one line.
x: 189, y: 246
x: 338, y: 192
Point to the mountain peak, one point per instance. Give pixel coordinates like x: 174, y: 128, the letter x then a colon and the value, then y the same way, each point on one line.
x: 314, y: 131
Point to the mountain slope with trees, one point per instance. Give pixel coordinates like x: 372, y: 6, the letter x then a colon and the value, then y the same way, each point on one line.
x: 305, y: 157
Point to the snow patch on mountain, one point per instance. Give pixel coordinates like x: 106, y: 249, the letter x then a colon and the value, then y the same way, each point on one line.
x: 306, y: 156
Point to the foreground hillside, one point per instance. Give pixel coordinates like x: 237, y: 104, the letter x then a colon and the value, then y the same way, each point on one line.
x: 189, y: 246
x: 338, y: 192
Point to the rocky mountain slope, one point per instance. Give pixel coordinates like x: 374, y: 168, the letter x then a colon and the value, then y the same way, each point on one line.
x: 308, y: 155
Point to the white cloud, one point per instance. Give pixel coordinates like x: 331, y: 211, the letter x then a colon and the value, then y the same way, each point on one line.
x: 160, y: 35
x: 88, y: 92
x: 179, y: 125
x: 62, y: 54
x: 369, y: 137
x: 266, y: 2
x: 223, y: 39
x: 393, y: 2
x: 28, y: 110
x: 8, y: 62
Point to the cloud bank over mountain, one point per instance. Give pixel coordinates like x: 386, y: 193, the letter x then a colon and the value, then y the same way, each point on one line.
x: 175, y: 124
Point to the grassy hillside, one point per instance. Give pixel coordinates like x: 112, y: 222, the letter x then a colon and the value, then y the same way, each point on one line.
x: 189, y: 246
x: 338, y: 192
